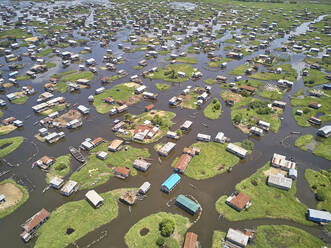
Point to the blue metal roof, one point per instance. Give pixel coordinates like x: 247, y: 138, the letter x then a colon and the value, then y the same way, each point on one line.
x: 171, y: 181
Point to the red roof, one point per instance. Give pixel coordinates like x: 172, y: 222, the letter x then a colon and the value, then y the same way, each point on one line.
x: 248, y: 88
x: 122, y: 170
x: 240, y: 200
x: 36, y: 220
x: 190, y: 240
x: 97, y: 141
x: 142, y: 128
x: 183, y: 162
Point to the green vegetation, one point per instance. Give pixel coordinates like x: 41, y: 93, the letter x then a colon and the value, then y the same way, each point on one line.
x: 167, y: 227
x: 62, y: 74
x: 70, y: 76
x: 273, y: 94
x: 218, y: 237
x: 218, y: 62
x: 60, y: 168
x: 23, y: 77
x: 245, y: 118
x: 212, y: 160
x: 284, y: 236
x: 320, y: 184
x: 170, y: 73
x: 210, y: 81
x: 315, y: 77
x: 189, y: 100
x: 134, y: 237
x: 251, y: 83
x: 50, y: 65
x: 123, y: 92
x: 157, y: 117
x: 324, y: 63
x: 264, y: 207
x: 44, y: 52
x: 302, y: 103
x: 138, y: 67
x: 323, y: 148
x: 20, y: 199
x: 79, y: 216
x: 97, y: 171
x: 14, y: 33
x: 214, y: 110
x: 20, y: 100
x: 240, y: 70
x: 14, y: 143
x: 187, y: 60
x: 162, y: 87
x: 302, y: 141
x: 6, y: 129
x: 288, y: 73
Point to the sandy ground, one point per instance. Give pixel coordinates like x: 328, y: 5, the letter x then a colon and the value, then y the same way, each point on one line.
x: 67, y: 117
x: 131, y: 84
x: 274, y: 171
x: 12, y: 193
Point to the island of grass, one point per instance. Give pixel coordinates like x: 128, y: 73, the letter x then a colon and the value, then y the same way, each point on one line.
x: 97, y: 171
x: 245, y: 118
x: 218, y: 62
x: 325, y: 63
x: 146, y: 232
x: 272, y: 92
x: 162, y: 87
x: 157, y: 117
x: 70, y: 76
x: 264, y: 198
x: 123, y: 92
x: 303, y: 141
x: 80, y: 218
x: 14, y: 34
x: 9, y: 145
x: 56, y: 108
x: 21, y: 98
x: 239, y: 99
x: 190, y: 99
x: 16, y: 195
x: 170, y: 73
x: 44, y: 52
x: 288, y: 73
x: 218, y: 238
x: 212, y: 160
x: 319, y: 146
x: 60, y: 168
x: 6, y: 129
x: 302, y: 103
x: 284, y: 236
x: 187, y: 60
x: 210, y: 81
x: 250, y: 83
x: 315, y: 77
x: 214, y: 110
x: 240, y: 70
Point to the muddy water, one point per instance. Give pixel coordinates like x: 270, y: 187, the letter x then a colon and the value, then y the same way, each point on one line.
x: 205, y: 191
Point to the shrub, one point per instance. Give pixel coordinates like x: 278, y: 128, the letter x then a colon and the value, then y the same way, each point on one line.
x: 306, y: 110
x: 60, y: 167
x: 214, y: 100
x: 320, y: 195
x: 160, y: 241
x: 247, y: 144
x: 167, y: 227
x: 237, y: 118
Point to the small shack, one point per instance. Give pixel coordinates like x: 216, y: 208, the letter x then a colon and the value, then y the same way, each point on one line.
x: 187, y: 204
x: 94, y: 198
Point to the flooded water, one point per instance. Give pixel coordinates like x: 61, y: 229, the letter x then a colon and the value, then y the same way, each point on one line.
x: 205, y: 191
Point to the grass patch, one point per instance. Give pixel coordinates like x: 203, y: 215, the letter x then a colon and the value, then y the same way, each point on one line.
x: 169, y: 73
x: 210, y: 81
x: 264, y: 207
x: 7, y: 129
x: 14, y: 33
x: 9, y: 210
x: 138, y: 67
x: 219, y: 62
x: 187, y: 60
x: 302, y: 103
x: 97, y: 172
x: 320, y: 182
x: 50, y: 65
x: 123, y: 92
x: 302, y: 141
x: 315, y: 77
x: 78, y: 215
x: 23, y: 77
x: 214, y: 110
x: 162, y: 87
x: 13, y: 142
x: 60, y: 168
x: 20, y: 100
x: 133, y: 237
x: 284, y: 236
x: 276, y: 94
x: 44, y: 52
x: 62, y: 74
x: 212, y: 160
x: 71, y: 76
x: 218, y: 238
x: 323, y: 148
x: 240, y: 70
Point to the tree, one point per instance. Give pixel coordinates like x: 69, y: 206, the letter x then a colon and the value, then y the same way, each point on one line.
x: 128, y: 117
x: 214, y: 100
x: 237, y: 118
x: 320, y: 195
x: 167, y: 227
x: 179, y: 132
x: 217, y: 106
x: 160, y: 241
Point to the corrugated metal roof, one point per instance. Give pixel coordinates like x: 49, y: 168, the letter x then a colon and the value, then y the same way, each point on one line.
x: 188, y: 203
x: 171, y: 181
